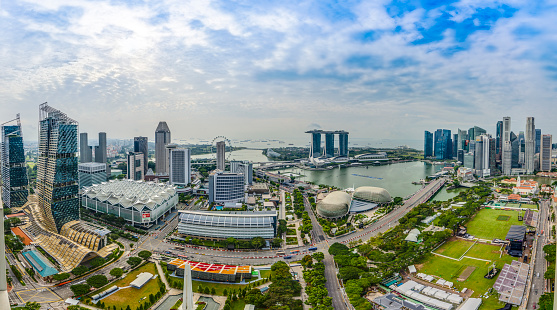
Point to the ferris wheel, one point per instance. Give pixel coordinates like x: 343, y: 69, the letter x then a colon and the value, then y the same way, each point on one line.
x: 227, y: 144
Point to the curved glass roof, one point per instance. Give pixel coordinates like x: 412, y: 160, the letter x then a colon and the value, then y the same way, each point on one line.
x: 229, y: 219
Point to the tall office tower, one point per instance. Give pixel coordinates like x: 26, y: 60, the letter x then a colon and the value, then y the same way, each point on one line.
x: 91, y: 173
x: 85, y: 151
x: 460, y: 156
x: 482, y: 155
x: 141, y: 144
x: 506, y: 155
x: 492, y: 155
x: 475, y: 132
x: 100, y: 150
x: 226, y: 187
x: 538, y: 139
x: 455, y: 145
x: 545, y: 153
x: 221, y: 151
x: 428, y: 144
x: 162, y: 138
x: 180, y: 166
x: 14, y: 172
x: 515, y: 151
x: 343, y: 144
x: 329, y: 144
x: 135, y: 169
x: 57, y: 176
x: 443, y: 144
x: 316, y: 143
x: 245, y: 167
x: 478, y: 157
x: 498, y: 139
x: 461, y: 139
x: 530, y: 145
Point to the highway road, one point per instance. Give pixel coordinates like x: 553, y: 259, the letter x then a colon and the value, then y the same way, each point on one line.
x: 538, y: 287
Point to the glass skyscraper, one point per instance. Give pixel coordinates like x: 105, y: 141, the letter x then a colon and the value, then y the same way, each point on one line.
x: 443, y: 144
x: 428, y: 144
x: 57, y: 173
x: 14, y: 171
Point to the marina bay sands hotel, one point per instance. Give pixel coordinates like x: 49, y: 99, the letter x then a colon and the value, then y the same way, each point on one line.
x: 329, y: 150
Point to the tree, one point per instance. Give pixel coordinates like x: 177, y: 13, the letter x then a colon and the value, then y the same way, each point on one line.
x: 546, y: 302
x: 77, y: 271
x: 257, y: 242
x: 134, y: 261
x: 60, y: 276
x: 97, y: 262
x: 231, y: 241
x: 349, y: 273
x: 144, y: 254
x: 80, y: 289
x: 338, y: 248
x: 207, y: 291
x: 318, y: 256
x: 213, y: 291
x: 97, y: 281
x: 116, y: 272
x: 276, y: 242
x: 225, y: 292
x: 32, y: 306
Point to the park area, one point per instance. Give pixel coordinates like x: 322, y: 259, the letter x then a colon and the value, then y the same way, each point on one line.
x: 491, y: 223
x: 469, y: 271
x: 132, y: 296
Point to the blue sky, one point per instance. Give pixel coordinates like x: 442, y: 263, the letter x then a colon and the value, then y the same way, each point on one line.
x: 254, y: 69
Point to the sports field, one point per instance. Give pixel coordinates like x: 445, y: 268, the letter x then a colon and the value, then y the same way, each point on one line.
x: 449, y: 269
x: 485, y: 224
x: 454, y: 248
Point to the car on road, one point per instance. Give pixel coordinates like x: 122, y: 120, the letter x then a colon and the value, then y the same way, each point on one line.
x: 287, y: 257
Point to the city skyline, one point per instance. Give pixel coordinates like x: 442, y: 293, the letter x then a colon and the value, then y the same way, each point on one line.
x: 402, y: 68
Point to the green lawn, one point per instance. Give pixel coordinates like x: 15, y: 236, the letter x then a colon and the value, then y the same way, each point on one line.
x: 486, y: 226
x: 450, y: 269
x: 131, y: 296
x: 454, y: 248
x: 238, y: 304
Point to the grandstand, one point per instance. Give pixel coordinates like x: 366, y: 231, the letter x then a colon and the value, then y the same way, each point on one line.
x: 210, y: 272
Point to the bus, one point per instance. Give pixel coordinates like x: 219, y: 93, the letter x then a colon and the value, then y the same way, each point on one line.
x: 295, y: 252
x: 281, y: 253
x: 313, y: 248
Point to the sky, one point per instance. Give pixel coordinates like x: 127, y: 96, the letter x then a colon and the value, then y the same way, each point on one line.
x: 274, y: 69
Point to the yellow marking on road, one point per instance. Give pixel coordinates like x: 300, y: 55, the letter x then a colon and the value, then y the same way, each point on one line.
x: 37, y: 292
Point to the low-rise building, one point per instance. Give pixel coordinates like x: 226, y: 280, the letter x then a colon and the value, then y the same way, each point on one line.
x: 217, y: 225
x: 141, y: 203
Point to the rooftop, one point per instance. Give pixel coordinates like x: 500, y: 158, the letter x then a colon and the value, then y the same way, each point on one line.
x: 211, y: 268
x: 130, y: 193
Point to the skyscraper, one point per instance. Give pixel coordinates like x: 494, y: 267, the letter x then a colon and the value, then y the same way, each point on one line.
x: 498, y: 139
x: 329, y: 144
x: 455, y: 145
x: 245, y: 167
x: 461, y: 139
x: 221, y: 151
x: 316, y: 144
x: 482, y: 155
x: 545, y: 153
x: 538, y: 139
x: 343, y: 144
x: 506, y: 158
x: 100, y: 150
x: 85, y: 151
x: 57, y: 176
x: 530, y: 145
x: 162, y: 138
x: 475, y: 132
x: 180, y: 166
x: 428, y: 144
x: 14, y: 171
x: 443, y: 144
x: 135, y: 169
x: 141, y: 144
